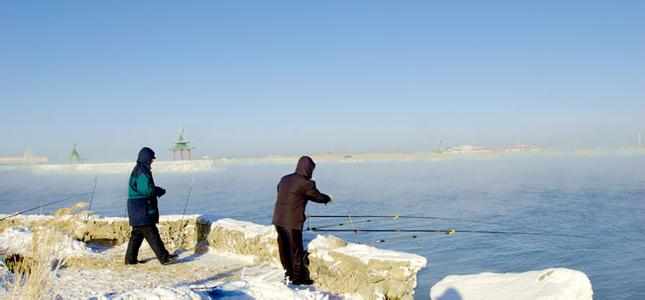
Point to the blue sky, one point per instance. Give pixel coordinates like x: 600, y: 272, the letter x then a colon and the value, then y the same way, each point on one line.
x: 248, y: 78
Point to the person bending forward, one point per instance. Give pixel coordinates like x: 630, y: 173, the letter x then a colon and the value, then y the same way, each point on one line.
x: 294, y: 191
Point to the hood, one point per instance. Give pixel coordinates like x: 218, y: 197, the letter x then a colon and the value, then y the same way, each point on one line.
x: 146, y: 155
x: 306, y: 167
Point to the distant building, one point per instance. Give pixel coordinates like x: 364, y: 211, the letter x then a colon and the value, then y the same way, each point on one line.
x: 522, y: 148
x: 467, y: 149
x: 182, y: 147
x: 26, y: 159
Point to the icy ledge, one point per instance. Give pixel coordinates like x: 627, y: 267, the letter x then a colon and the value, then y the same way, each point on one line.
x: 551, y: 284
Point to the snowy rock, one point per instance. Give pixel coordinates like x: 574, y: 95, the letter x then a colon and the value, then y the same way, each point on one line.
x: 335, y: 265
x: 369, y: 272
x: 551, y: 284
x: 176, y: 231
x: 19, y: 240
x: 15, y: 240
x: 245, y: 238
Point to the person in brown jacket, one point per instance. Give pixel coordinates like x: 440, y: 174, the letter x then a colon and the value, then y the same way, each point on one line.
x: 294, y: 191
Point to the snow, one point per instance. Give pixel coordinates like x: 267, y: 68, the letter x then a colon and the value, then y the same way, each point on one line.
x: 30, y: 218
x: 259, y: 282
x: 551, y: 284
x: 232, y: 280
x: 15, y: 240
x: 158, y: 293
x: 19, y: 240
x: 211, y: 275
x: 250, y: 230
x: 322, y: 245
x: 5, y: 277
x: 265, y: 282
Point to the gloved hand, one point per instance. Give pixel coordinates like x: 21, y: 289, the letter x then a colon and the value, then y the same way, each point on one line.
x: 159, y: 191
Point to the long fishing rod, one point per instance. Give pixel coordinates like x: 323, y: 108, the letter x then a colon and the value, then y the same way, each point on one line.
x: 309, y: 227
x: 43, y: 205
x: 183, y: 213
x: 397, y: 217
x: 450, y: 231
x: 93, y: 191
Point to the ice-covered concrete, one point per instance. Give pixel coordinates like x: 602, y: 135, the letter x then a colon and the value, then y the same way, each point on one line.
x: 245, y: 238
x: 335, y: 265
x: 176, y: 231
x: 360, y: 269
x: 551, y: 284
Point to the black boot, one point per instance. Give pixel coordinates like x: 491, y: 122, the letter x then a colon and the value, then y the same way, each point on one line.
x: 170, y: 259
x: 303, y: 281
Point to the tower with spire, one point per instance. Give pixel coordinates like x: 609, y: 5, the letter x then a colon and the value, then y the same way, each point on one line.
x: 182, y: 147
x: 74, y: 157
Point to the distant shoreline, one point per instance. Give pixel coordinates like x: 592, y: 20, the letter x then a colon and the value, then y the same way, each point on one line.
x: 207, y: 164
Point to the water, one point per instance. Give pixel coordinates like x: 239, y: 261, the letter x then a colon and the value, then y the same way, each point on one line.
x: 599, y: 198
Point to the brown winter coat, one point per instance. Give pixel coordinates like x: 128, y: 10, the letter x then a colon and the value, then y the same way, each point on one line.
x: 294, y: 190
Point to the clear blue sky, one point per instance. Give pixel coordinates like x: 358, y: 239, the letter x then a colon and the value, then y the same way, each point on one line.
x: 262, y: 77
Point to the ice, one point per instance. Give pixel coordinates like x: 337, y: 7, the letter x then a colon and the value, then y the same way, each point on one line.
x: 551, y: 284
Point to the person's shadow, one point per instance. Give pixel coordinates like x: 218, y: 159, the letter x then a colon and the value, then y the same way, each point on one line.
x: 449, y: 294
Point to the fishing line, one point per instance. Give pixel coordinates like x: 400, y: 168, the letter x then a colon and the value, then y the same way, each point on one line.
x: 397, y: 217
x: 71, y: 196
x: 452, y: 231
x: 309, y: 227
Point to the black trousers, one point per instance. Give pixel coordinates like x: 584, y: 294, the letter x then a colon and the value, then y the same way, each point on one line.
x: 292, y: 254
x: 151, y: 234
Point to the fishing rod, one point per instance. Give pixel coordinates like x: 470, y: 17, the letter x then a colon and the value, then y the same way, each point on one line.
x: 450, y: 231
x: 93, y: 191
x: 309, y: 227
x: 397, y: 217
x: 43, y: 205
x: 183, y: 213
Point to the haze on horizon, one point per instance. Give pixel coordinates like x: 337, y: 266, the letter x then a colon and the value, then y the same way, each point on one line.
x: 295, y: 77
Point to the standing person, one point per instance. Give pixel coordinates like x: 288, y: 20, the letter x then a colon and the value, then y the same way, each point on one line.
x: 294, y: 190
x: 143, y: 212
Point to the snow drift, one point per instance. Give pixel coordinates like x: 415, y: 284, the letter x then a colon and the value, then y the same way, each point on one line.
x: 551, y: 284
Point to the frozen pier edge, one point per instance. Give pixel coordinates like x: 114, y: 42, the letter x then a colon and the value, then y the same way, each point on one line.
x: 335, y: 265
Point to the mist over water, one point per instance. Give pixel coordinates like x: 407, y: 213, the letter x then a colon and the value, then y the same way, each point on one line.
x: 600, y: 198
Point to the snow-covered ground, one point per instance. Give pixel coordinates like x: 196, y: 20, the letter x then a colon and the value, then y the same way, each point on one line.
x: 101, y: 274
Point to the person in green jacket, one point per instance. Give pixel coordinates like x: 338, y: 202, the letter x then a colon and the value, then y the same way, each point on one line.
x: 143, y: 211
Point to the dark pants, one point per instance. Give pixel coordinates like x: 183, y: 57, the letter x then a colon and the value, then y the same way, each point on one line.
x: 151, y: 234
x: 292, y: 254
